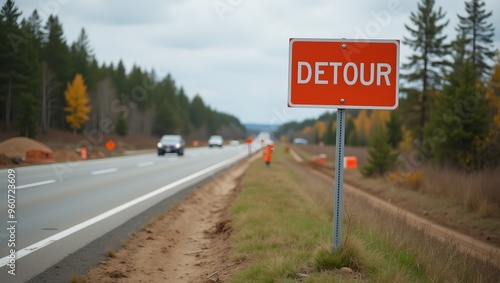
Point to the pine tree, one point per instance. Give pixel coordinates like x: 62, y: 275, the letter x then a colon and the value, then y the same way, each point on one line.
x: 77, y: 100
x: 350, y: 133
x: 138, y: 93
x: 81, y: 57
x: 32, y: 29
x: 478, y: 36
x: 184, y: 108
x: 424, y: 69
x: 26, y: 122
x: 58, y: 68
x: 394, y: 130
x: 13, y: 77
x: 330, y: 136
x: 121, y: 125
x: 461, y: 116
x: 381, y: 157
x: 210, y: 117
x: 120, y: 80
x: 196, y: 112
x: 29, y: 53
x: 165, y: 122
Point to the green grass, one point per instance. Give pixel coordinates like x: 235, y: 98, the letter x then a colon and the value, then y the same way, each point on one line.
x: 282, y: 223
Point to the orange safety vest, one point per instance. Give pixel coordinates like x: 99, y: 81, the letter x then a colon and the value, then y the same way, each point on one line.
x: 268, y: 152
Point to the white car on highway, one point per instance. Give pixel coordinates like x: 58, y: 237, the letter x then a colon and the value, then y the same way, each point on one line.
x: 215, y: 140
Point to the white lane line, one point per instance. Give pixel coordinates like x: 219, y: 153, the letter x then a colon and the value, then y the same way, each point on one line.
x: 145, y: 164
x: 105, y: 171
x: 35, y: 184
x: 54, y: 238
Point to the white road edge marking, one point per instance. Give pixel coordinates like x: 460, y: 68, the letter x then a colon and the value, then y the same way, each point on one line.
x: 35, y: 184
x: 144, y: 164
x: 52, y: 239
x: 105, y: 171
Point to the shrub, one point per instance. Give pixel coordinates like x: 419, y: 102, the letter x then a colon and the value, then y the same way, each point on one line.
x: 381, y: 157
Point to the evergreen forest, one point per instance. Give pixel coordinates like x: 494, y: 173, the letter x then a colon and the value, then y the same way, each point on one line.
x: 38, y: 70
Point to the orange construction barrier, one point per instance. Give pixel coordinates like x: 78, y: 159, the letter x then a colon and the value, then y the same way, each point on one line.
x: 350, y: 162
x: 320, y: 159
x: 83, y: 153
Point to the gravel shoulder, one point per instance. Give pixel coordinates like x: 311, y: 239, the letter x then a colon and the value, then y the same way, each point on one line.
x: 190, y: 243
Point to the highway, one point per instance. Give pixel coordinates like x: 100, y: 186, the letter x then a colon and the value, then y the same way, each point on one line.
x: 61, y: 207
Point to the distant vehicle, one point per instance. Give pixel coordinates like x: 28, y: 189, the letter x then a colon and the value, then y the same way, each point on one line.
x: 171, y: 144
x: 215, y: 140
x: 234, y: 142
x: 300, y: 141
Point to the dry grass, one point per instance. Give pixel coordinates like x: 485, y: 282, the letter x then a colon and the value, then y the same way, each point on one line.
x: 440, y: 261
x: 110, y: 253
x: 478, y: 191
x: 411, y: 180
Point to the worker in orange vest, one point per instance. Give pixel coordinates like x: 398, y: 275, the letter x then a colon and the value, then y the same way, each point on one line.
x: 268, y: 153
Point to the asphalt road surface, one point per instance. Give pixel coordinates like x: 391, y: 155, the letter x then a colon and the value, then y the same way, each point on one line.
x: 57, y: 209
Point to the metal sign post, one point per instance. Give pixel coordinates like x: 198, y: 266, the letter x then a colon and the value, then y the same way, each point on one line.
x: 339, y: 180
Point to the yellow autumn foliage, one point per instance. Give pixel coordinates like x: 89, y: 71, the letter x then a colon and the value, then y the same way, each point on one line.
x: 307, y: 130
x: 320, y: 127
x: 363, y: 125
x: 379, y: 117
x: 77, y: 103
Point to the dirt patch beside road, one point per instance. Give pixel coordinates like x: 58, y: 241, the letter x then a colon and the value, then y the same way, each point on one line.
x: 190, y: 243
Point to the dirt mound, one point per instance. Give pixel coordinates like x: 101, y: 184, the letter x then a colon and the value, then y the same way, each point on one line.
x: 5, y: 161
x: 17, y: 147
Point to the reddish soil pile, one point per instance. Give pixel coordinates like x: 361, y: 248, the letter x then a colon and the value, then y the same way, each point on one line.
x: 17, y: 150
x: 17, y: 147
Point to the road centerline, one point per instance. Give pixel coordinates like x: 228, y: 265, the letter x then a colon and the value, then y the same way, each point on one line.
x: 105, y: 171
x: 145, y: 164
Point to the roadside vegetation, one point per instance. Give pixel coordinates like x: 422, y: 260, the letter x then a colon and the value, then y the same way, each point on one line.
x: 283, y: 229
x: 468, y: 202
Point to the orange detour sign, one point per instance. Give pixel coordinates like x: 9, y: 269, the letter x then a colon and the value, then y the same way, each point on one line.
x: 343, y: 73
x: 110, y: 145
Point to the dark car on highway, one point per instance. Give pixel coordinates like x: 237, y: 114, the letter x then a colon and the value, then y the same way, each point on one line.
x: 171, y: 144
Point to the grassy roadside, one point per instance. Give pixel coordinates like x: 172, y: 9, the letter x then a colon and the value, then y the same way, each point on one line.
x: 446, y: 210
x: 283, y: 225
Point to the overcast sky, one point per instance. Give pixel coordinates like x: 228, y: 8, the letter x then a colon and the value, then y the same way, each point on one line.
x: 233, y: 53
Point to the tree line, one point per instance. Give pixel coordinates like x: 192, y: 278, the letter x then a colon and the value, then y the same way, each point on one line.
x: 449, y: 94
x: 37, y: 65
